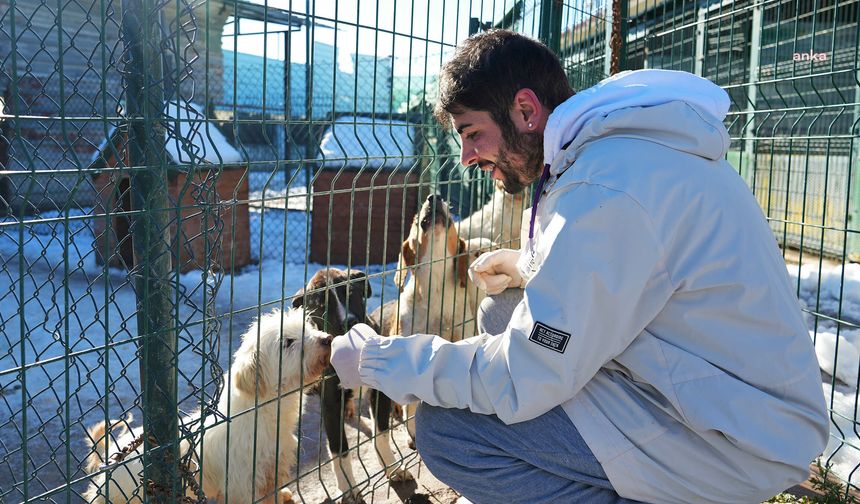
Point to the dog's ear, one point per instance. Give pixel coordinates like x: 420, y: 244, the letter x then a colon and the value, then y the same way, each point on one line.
x: 462, y: 263
x: 359, y: 276
x: 299, y: 298
x: 248, y: 378
x: 406, y: 260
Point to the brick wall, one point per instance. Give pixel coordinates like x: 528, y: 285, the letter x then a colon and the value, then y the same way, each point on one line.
x: 67, y: 65
x: 364, y: 225
x: 113, y: 242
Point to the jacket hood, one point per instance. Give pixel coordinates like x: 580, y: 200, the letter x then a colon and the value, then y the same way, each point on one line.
x: 676, y: 109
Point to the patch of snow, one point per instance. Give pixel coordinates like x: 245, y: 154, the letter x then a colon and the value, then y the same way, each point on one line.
x: 196, y: 139
x: 834, y: 291
x: 293, y: 198
x: 361, y: 142
x: 843, y: 455
x: 842, y: 364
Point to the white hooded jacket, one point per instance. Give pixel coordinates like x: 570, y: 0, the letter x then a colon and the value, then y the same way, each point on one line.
x: 658, y: 312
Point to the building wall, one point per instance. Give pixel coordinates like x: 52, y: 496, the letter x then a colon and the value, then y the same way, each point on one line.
x: 63, y: 68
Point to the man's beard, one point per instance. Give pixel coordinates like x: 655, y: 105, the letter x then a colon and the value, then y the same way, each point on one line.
x: 528, y: 149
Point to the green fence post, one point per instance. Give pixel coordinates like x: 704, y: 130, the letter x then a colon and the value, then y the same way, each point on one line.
x: 607, y: 41
x: 853, y: 224
x: 150, y: 232
x: 550, y: 24
x: 309, y: 99
x: 746, y: 163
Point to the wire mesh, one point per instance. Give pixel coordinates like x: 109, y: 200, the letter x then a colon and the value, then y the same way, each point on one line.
x: 298, y: 138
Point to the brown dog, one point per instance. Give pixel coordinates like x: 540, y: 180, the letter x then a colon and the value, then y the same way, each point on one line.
x: 438, y: 298
x: 499, y: 220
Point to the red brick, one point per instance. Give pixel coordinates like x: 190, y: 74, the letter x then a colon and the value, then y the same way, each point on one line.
x: 335, y: 243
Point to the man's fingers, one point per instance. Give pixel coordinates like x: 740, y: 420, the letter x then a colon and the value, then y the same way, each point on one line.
x: 496, y: 283
x: 362, y: 332
x: 477, y: 277
x: 480, y: 267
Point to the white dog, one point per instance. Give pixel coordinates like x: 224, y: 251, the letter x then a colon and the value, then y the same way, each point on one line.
x: 264, y: 399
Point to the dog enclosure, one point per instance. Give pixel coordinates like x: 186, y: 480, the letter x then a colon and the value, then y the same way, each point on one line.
x: 171, y: 170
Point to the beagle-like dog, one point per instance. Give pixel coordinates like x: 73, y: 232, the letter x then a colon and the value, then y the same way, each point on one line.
x: 438, y: 298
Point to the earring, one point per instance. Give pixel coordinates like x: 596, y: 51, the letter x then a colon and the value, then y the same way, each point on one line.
x: 530, y: 126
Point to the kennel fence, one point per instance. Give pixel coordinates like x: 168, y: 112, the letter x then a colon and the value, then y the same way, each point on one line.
x: 272, y: 80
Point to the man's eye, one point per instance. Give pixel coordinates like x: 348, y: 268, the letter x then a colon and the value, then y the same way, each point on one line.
x: 472, y: 135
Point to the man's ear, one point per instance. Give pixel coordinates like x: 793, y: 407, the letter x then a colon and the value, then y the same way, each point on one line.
x: 528, y: 112
x: 406, y: 260
x: 462, y: 263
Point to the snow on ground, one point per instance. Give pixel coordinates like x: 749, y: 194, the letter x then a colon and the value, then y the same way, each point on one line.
x: 829, y: 292
x: 77, y: 366
x: 89, y: 355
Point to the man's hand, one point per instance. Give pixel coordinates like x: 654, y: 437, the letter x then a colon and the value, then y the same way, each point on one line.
x: 496, y: 271
x: 346, y: 354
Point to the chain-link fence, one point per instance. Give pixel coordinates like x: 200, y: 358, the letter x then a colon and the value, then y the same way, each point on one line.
x: 172, y: 170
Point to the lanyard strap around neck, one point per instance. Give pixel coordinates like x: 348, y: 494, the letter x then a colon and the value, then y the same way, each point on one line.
x: 538, y: 193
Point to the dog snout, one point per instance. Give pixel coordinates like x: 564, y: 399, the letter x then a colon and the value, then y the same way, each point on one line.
x: 433, y: 211
x: 351, y: 320
x: 326, y: 342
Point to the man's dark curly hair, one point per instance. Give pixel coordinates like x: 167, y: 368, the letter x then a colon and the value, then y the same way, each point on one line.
x: 489, y: 68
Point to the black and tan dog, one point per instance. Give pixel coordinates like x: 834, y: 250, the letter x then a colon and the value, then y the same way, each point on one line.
x: 335, y: 300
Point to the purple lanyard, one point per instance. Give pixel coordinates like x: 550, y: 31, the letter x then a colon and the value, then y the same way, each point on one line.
x: 538, y: 192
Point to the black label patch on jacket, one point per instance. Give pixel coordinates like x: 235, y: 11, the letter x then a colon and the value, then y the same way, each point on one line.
x: 548, y: 337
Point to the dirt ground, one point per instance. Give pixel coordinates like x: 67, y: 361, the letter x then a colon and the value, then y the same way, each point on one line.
x: 317, y: 485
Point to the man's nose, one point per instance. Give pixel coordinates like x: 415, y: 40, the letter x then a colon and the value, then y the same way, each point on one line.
x: 468, y: 156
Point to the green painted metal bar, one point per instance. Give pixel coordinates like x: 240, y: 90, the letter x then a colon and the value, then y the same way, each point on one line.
x: 550, y: 24
x: 150, y: 232
x: 853, y: 244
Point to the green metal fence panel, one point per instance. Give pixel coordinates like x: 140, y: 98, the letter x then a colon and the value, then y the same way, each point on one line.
x: 791, y: 70
x: 160, y: 191
x: 171, y: 171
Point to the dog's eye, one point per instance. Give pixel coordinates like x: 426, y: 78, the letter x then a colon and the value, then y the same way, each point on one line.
x: 288, y: 342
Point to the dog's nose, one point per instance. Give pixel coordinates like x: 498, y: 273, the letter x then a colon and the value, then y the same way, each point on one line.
x: 327, y: 340
x: 351, y: 320
x: 431, y: 198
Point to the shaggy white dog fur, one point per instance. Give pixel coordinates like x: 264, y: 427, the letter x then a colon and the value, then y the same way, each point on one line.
x: 269, y: 369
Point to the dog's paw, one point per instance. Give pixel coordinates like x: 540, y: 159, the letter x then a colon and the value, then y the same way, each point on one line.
x: 285, y: 496
x: 396, y: 411
x: 352, y: 497
x: 398, y: 473
x: 349, y: 409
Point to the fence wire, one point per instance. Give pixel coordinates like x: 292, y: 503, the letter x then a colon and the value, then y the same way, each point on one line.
x: 292, y: 144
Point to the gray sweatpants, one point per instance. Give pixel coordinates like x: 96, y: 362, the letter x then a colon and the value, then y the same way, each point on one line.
x: 543, y: 460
